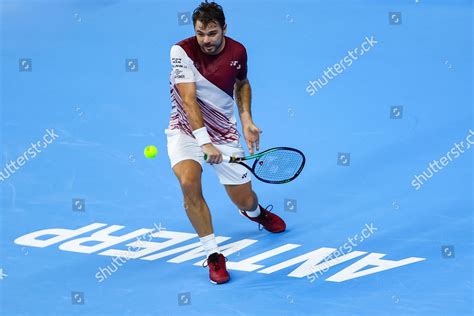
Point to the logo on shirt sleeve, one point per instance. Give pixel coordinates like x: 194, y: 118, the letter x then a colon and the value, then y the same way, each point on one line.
x: 178, y: 74
x: 235, y: 63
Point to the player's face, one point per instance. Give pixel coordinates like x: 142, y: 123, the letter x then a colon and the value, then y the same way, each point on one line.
x: 210, y: 38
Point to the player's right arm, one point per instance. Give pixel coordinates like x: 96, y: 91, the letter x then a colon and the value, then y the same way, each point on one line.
x: 185, y: 82
x: 187, y: 92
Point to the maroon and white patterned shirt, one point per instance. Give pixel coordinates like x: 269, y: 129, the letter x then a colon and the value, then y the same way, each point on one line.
x: 214, y: 76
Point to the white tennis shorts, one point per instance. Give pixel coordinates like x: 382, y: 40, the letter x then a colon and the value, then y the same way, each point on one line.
x: 182, y: 147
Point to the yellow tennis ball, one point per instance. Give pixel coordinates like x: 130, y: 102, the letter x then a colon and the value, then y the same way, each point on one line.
x: 150, y: 151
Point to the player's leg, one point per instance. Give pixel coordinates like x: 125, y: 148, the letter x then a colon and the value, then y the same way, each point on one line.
x: 186, y: 161
x: 189, y: 173
x: 243, y: 197
x: 246, y: 200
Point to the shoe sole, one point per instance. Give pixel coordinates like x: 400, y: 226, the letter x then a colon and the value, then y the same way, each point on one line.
x: 216, y: 283
x: 281, y: 231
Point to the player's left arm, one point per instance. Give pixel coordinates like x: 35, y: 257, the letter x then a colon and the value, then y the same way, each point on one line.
x: 243, y: 98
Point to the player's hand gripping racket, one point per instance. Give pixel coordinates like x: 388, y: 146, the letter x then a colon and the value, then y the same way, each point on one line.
x: 276, y: 165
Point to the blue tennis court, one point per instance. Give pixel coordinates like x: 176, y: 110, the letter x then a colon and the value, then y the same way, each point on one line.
x: 377, y: 94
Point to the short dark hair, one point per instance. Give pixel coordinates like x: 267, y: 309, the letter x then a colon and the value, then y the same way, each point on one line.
x: 209, y: 12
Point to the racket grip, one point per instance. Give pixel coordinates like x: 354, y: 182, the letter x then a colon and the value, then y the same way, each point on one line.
x: 224, y: 158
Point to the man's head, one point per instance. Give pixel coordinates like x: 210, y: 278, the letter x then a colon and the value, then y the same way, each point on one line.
x: 210, y: 27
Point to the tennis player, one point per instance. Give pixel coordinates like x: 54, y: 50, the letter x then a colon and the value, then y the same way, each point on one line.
x: 208, y: 70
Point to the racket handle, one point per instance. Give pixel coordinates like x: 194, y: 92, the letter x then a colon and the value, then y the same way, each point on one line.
x: 224, y: 158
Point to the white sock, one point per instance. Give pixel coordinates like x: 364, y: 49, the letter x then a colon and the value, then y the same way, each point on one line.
x: 255, y: 212
x: 209, y: 243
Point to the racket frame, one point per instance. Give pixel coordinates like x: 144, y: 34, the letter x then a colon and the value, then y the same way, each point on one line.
x: 240, y: 161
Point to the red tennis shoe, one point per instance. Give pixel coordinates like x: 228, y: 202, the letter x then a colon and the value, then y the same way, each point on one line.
x: 217, y: 271
x: 271, y: 222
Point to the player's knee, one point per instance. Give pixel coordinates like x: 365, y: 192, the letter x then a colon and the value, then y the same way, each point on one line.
x: 191, y: 191
x: 190, y: 185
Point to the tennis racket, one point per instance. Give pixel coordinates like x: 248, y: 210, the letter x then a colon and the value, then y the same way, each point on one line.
x: 276, y: 165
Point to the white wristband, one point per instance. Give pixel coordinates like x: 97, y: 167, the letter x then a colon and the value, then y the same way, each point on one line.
x: 202, y: 136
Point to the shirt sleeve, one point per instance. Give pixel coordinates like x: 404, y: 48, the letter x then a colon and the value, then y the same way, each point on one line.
x: 182, y: 69
x: 242, y: 74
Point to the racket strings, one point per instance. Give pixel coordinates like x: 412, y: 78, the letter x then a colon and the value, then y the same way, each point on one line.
x: 279, y: 165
